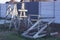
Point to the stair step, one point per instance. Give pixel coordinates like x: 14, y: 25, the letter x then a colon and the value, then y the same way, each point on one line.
x: 34, y: 19
x: 33, y: 33
x: 41, y: 30
x: 31, y: 27
x: 33, y: 15
x: 27, y: 36
x: 54, y: 33
x: 38, y: 36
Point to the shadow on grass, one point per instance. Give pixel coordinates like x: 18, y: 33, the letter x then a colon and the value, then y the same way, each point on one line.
x: 15, y: 36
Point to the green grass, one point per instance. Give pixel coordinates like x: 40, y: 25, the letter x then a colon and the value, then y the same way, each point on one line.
x: 14, y: 36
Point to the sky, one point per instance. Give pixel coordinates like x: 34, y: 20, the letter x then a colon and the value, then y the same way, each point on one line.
x: 3, y: 1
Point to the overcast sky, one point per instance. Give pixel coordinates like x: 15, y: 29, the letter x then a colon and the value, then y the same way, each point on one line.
x: 3, y: 1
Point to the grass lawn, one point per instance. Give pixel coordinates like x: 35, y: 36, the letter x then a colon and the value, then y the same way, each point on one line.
x: 14, y: 36
x: 5, y: 35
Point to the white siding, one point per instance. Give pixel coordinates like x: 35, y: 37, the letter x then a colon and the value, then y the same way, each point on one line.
x: 3, y: 10
x: 57, y: 12
x: 47, y: 10
x: 58, y: 0
x: 0, y: 10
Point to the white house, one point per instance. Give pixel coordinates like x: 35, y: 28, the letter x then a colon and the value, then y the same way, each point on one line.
x: 39, y: 0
